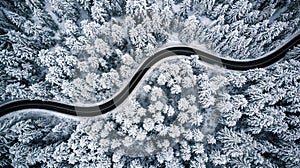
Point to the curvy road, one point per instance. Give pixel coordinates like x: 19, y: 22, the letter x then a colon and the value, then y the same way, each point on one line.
x: 95, y: 110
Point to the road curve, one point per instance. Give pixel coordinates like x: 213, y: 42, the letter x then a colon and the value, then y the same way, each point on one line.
x: 112, y: 103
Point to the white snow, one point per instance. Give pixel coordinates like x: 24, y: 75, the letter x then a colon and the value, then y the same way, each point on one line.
x: 205, y: 21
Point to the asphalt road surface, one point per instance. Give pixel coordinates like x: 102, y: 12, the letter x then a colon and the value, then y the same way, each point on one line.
x: 115, y: 101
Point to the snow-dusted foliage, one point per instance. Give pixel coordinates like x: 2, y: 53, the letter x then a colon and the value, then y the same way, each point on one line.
x: 57, y: 46
x: 246, y: 124
x: 152, y: 126
x: 258, y: 129
x: 28, y: 139
x: 183, y: 114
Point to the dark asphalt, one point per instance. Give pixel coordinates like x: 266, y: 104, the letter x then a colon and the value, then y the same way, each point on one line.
x: 261, y: 62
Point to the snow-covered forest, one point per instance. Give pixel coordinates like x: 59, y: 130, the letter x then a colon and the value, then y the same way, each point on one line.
x: 83, y: 51
x: 183, y: 113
